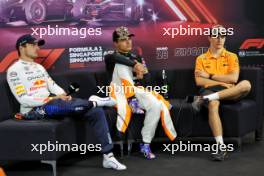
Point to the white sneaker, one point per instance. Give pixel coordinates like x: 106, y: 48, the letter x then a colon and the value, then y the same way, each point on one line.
x: 110, y: 162
x: 108, y: 101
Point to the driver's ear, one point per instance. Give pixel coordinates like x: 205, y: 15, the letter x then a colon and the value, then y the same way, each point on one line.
x: 209, y: 38
x: 115, y: 44
x: 21, y: 48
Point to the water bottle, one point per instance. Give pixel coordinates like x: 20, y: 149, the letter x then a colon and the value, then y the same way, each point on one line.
x: 165, y: 88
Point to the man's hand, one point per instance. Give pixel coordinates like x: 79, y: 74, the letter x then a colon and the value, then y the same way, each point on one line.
x: 202, y: 74
x: 138, y: 67
x: 140, y: 75
x: 63, y: 97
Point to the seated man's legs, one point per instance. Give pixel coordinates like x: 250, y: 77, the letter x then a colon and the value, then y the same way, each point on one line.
x: 238, y: 91
x: 93, y: 113
x: 152, y: 116
x: 215, y: 121
x: 234, y: 93
x: 215, y: 124
x: 213, y: 116
x: 97, y: 120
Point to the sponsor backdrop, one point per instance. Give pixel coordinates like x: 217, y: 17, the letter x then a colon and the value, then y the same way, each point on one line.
x: 169, y: 33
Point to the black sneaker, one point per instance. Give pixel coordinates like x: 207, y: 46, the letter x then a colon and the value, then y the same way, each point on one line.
x: 221, y: 155
x: 197, y: 103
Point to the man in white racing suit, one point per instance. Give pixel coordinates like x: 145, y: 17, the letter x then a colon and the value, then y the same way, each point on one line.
x: 121, y: 65
x: 41, y: 98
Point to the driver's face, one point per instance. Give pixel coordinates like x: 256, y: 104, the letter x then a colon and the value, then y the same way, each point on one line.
x: 124, y: 45
x: 30, y: 50
x: 217, y: 42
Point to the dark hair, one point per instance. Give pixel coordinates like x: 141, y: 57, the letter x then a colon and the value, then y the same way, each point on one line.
x: 18, y: 49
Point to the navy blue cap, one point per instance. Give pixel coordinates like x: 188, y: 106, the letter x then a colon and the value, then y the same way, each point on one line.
x: 28, y: 39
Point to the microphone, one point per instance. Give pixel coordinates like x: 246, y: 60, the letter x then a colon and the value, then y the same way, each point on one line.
x: 73, y: 88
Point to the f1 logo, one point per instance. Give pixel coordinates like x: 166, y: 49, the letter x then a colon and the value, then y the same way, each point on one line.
x: 47, y: 57
x: 256, y: 43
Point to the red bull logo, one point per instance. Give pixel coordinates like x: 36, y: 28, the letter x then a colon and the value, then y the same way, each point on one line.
x: 39, y: 82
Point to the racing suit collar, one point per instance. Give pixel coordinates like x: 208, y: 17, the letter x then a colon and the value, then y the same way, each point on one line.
x: 25, y: 62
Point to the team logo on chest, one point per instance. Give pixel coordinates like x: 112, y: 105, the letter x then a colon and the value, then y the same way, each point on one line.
x: 38, y: 84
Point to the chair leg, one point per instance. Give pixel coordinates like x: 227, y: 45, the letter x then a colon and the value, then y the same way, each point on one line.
x: 129, y: 146
x: 121, y: 144
x: 53, y: 164
x: 239, y: 144
x: 259, y: 134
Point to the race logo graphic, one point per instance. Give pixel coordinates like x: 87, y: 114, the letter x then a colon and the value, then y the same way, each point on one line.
x: 83, y: 56
x: 254, y: 43
x: 20, y: 89
x: 47, y: 57
x: 162, y: 53
x: 252, y: 47
x: 38, y: 84
x: 185, y: 12
x: 192, y: 51
x: 13, y: 74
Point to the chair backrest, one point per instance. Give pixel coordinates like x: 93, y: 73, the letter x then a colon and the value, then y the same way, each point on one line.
x: 86, y: 80
x: 180, y: 81
x: 9, y: 105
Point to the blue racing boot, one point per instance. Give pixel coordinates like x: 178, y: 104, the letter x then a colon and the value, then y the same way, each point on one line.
x: 145, y: 149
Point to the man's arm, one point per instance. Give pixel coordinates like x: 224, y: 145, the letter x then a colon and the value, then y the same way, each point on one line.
x: 203, y: 82
x: 18, y: 89
x: 119, y: 59
x: 111, y: 60
x: 202, y: 78
x: 230, y: 78
x: 52, y: 86
x: 233, y: 71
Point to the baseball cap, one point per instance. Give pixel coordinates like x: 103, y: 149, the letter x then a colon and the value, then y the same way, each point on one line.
x: 27, y: 38
x: 121, y: 33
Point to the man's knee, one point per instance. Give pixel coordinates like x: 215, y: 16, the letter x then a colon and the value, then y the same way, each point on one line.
x: 97, y: 113
x: 156, y: 105
x: 244, y: 86
x: 213, y: 105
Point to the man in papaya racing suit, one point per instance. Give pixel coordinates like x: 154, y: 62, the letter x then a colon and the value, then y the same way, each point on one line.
x: 121, y: 65
x: 41, y: 98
